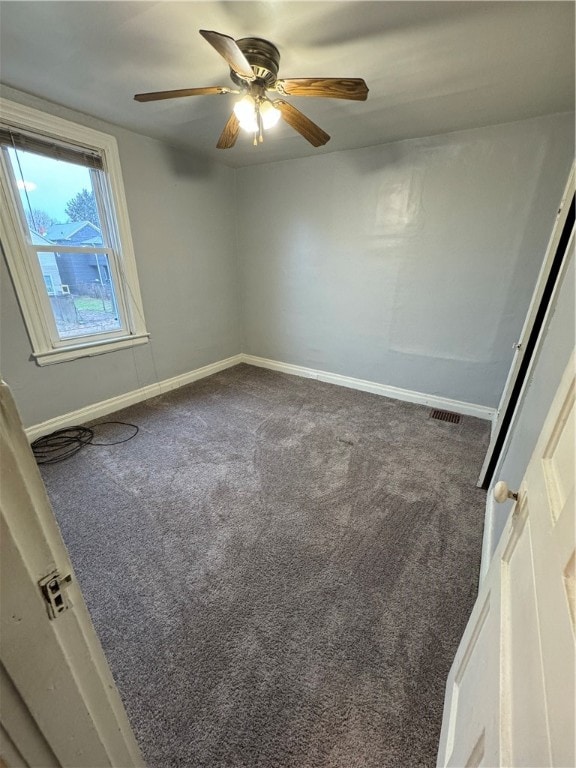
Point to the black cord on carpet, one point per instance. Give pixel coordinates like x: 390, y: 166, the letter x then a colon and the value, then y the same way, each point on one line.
x: 64, y: 443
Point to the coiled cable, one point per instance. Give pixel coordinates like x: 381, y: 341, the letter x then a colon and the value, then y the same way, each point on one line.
x: 64, y: 443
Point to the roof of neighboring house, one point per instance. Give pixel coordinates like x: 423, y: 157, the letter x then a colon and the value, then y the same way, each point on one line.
x: 95, y: 240
x: 65, y: 232
x: 38, y: 239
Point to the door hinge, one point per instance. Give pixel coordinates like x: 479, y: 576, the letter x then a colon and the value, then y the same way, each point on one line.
x: 53, y: 588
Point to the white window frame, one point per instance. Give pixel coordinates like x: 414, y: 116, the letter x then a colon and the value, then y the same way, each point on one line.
x: 31, y: 293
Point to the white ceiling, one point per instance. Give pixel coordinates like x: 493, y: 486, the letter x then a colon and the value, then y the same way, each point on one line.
x: 432, y: 67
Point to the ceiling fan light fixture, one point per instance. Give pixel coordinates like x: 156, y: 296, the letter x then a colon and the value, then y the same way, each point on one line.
x: 248, y: 109
x: 245, y: 111
x: 253, y: 64
x: 270, y: 115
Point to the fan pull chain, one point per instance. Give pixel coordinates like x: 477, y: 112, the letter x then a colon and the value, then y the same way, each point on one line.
x: 256, y: 115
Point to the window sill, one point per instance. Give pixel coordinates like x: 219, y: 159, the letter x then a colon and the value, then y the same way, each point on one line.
x: 90, y: 349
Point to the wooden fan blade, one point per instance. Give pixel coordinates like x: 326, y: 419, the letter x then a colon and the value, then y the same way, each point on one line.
x: 230, y: 133
x: 229, y: 50
x: 305, y: 127
x: 158, y: 95
x: 329, y: 87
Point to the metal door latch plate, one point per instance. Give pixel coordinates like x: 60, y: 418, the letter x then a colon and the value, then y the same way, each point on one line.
x: 53, y: 588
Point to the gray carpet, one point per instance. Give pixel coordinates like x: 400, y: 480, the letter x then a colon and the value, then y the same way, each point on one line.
x: 279, y: 570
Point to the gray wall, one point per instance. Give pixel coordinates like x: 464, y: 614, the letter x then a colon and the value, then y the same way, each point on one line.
x: 183, y: 230
x: 544, y: 379
x: 410, y: 264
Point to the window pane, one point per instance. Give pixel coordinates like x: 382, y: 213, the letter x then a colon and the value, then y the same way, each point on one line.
x: 60, y: 209
x: 57, y: 198
x: 49, y: 284
x: 82, y: 295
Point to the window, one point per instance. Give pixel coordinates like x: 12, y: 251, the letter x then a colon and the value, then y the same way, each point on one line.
x: 49, y: 284
x: 66, y: 237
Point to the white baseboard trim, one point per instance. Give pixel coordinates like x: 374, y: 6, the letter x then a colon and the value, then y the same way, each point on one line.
x: 408, y: 395
x: 105, y: 407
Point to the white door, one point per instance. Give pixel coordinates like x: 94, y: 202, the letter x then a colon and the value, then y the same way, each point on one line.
x: 533, y: 309
x: 510, y: 693
x: 60, y: 706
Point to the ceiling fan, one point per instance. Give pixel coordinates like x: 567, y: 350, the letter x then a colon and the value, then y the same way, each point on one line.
x: 253, y: 64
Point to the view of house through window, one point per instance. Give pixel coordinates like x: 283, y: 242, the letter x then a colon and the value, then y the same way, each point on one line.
x: 66, y: 236
x: 61, y: 207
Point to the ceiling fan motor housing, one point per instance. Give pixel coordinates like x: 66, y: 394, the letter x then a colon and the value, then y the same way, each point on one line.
x: 263, y: 57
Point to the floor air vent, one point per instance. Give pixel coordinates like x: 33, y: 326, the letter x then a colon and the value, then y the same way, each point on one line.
x: 453, y: 418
